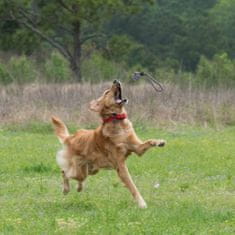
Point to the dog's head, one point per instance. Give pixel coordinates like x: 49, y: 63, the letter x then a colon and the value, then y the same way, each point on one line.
x: 110, y: 102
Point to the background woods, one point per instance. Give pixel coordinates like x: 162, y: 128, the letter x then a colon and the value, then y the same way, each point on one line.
x: 188, y: 45
x: 95, y: 40
x: 64, y: 25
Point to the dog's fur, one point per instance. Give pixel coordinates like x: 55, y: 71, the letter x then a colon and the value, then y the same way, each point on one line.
x: 108, y: 146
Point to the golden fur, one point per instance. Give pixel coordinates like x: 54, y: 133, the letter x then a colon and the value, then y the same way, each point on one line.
x: 108, y: 146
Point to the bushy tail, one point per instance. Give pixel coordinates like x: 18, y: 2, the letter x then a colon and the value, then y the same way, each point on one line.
x: 60, y: 129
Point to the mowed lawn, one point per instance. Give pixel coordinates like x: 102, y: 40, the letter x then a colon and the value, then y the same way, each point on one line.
x: 196, y: 193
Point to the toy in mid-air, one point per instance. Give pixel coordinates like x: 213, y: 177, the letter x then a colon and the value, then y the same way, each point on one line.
x: 155, y: 84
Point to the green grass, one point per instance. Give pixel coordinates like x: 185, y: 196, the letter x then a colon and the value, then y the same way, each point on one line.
x: 196, y: 194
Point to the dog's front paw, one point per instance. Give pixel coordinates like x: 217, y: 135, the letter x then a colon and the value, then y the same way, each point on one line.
x: 142, y: 204
x: 159, y: 143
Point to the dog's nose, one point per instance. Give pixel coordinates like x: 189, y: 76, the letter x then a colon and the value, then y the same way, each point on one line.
x: 116, y: 82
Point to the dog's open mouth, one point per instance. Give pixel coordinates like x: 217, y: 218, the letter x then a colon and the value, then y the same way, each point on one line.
x: 118, y: 93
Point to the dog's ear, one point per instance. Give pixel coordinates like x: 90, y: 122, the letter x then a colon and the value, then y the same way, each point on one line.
x: 95, y: 106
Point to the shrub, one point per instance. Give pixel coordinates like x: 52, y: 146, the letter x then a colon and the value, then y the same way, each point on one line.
x: 5, y: 76
x: 218, y: 71
x: 97, y: 68
x: 57, y: 68
x: 22, y: 69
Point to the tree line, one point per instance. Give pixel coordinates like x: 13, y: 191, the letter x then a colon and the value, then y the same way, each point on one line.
x: 171, y: 34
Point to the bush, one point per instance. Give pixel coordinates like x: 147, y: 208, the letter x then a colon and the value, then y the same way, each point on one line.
x: 57, y: 68
x: 97, y: 68
x: 5, y: 77
x: 22, y: 69
x: 218, y: 71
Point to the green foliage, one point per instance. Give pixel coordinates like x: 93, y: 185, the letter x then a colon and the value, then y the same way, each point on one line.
x: 22, y: 69
x: 5, y: 76
x: 97, y: 68
x: 218, y: 71
x: 64, y: 25
x: 14, y: 38
x: 174, y: 33
x: 57, y: 68
x: 120, y: 47
x: 168, y: 35
x: 223, y: 14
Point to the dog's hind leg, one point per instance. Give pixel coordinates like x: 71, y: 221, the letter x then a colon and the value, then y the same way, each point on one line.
x: 124, y: 175
x: 81, y: 176
x: 80, y: 186
x: 64, y: 164
x: 66, y: 186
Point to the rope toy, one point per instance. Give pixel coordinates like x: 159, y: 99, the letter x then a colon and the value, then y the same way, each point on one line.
x: 154, y: 83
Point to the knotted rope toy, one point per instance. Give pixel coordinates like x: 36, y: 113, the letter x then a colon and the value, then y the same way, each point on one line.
x: 154, y: 83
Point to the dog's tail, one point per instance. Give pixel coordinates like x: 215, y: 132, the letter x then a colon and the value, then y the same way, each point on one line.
x: 60, y: 129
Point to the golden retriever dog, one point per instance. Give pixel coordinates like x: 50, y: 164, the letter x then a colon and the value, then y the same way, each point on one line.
x: 108, y: 146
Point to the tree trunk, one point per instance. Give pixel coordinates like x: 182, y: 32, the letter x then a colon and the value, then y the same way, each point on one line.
x: 75, y: 62
x: 75, y: 67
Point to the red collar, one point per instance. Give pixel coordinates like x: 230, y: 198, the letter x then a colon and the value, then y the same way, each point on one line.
x: 119, y: 116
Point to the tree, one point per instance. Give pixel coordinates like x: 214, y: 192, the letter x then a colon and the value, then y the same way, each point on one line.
x: 223, y: 15
x: 65, y: 25
x: 173, y: 33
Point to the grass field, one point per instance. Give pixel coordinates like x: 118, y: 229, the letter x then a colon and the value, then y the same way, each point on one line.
x: 196, y: 194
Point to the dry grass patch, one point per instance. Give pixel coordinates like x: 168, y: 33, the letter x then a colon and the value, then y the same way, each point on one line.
x: 37, y: 102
